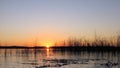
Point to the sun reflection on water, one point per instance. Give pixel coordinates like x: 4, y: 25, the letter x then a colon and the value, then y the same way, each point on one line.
x: 48, y: 52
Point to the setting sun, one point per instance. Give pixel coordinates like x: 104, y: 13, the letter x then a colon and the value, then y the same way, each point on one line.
x: 48, y: 44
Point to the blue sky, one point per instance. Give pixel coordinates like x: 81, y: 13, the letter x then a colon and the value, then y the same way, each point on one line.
x: 57, y: 19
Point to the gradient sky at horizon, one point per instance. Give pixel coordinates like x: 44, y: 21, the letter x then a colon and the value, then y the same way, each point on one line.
x: 22, y: 21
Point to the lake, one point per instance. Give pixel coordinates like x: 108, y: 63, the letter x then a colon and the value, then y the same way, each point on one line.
x: 52, y: 58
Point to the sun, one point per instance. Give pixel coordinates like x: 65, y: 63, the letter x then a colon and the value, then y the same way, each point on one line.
x: 48, y: 44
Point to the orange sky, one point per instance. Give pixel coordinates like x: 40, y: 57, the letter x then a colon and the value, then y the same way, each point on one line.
x: 50, y: 21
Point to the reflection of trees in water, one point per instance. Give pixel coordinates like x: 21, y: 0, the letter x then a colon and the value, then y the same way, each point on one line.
x: 108, y: 55
x: 85, y: 54
x: 35, y: 55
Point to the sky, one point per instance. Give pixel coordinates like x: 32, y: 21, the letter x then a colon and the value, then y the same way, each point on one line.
x: 49, y: 21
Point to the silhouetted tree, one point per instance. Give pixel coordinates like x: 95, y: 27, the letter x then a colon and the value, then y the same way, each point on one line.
x: 118, y: 41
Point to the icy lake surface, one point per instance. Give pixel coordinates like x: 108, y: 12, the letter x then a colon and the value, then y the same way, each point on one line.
x: 50, y: 58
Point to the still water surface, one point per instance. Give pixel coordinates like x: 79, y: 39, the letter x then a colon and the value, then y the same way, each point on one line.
x: 50, y: 58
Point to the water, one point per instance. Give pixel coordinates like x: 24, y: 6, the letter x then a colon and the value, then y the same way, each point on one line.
x: 51, y: 58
